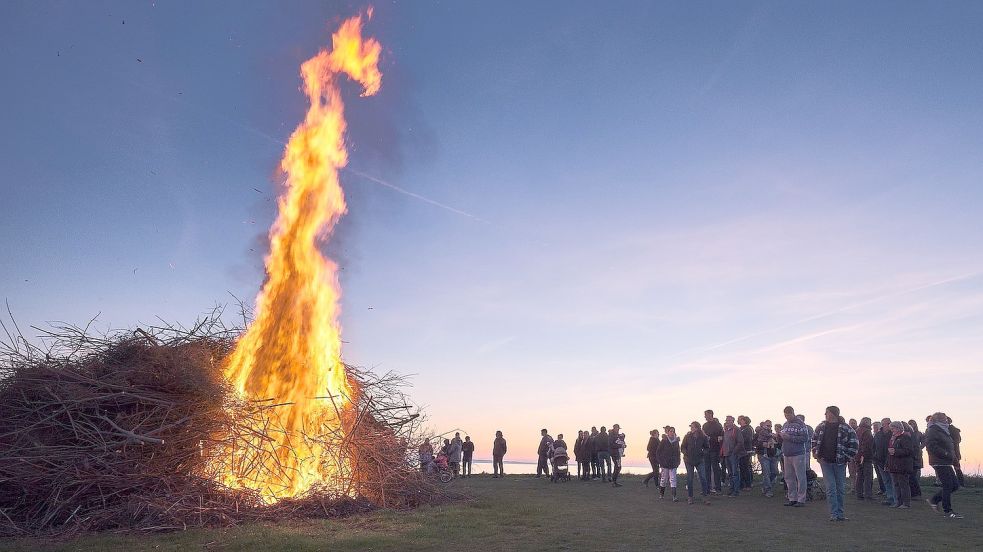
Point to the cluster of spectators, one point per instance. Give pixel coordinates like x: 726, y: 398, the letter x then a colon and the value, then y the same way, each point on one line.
x: 454, y: 455
x: 719, y: 455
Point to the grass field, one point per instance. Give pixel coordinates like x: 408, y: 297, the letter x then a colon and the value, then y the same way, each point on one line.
x: 524, y: 513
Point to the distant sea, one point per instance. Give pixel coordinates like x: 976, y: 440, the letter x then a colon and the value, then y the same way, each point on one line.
x: 518, y: 467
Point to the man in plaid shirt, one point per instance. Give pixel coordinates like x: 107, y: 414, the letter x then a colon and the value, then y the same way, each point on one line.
x: 834, y: 444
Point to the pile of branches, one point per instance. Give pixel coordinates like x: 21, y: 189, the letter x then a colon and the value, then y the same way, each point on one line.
x: 127, y: 430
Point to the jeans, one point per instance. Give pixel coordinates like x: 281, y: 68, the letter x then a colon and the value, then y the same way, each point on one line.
x: 543, y: 466
x: 769, y: 471
x: 616, y: 460
x: 747, y: 476
x: 654, y: 474
x: 902, y: 489
x: 880, y: 478
x: 950, y: 483
x: 497, y: 467
x: 700, y: 469
x: 888, y: 487
x: 604, y: 464
x: 916, y: 487
x: 734, y: 467
x: 594, y: 468
x: 711, y: 467
x: 865, y: 479
x: 835, y: 477
x: 466, y: 466
x: 796, y: 478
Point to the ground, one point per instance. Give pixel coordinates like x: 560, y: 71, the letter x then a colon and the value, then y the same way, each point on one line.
x: 524, y: 513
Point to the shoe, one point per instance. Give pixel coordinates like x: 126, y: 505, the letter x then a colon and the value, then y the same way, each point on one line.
x: 799, y: 505
x: 789, y: 503
x: 903, y: 507
x: 689, y: 500
x: 674, y: 499
x: 888, y: 503
x: 843, y: 519
x: 953, y: 515
x: 932, y: 505
x: 706, y: 502
x: 616, y: 484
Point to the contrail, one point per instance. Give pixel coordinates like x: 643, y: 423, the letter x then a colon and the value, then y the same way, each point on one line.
x: 414, y: 195
x: 825, y: 315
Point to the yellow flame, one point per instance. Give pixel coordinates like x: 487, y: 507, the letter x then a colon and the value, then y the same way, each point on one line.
x: 291, y: 353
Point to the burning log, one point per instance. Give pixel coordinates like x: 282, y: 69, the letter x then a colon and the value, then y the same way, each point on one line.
x: 133, y: 430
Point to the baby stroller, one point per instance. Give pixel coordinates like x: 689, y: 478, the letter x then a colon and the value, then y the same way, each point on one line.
x: 443, y: 468
x: 561, y: 471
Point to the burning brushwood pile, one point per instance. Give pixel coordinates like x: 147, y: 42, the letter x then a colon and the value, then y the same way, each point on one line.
x: 167, y: 427
x: 134, y: 430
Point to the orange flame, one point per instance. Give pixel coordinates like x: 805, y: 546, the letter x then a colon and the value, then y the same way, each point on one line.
x: 292, y: 351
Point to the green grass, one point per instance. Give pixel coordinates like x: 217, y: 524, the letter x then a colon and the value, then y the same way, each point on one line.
x: 523, y: 513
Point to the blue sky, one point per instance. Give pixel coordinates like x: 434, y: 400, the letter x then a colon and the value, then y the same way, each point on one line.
x: 655, y: 208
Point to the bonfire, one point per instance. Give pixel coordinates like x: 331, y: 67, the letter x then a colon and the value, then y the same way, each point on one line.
x: 166, y: 427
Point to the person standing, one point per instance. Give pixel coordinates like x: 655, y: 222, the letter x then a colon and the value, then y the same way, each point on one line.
x: 765, y: 446
x: 467, y: 454
x: 426, y: 456
x: 957, y: 439
x: 834, y: 444
x: 715, y: 434
x: 795, y: 442
x: 669, y: 462
x: 617, y: 448
x: 942, y: 456
x: 595, y: 465
x: 864, y: 483
x: 652, y: 453
x: 747, y: 435
x: 545, y: 444
x: 810, y: 431
x: 852, y: 468
x: 919, y: 459
x: 876, y: 430
x: 881, y: 439
x: 901, y: 463
x: 695, y: 448
x: 603, y: 446
x: 732, y: 449
x: 499, y: 448
x: 454, y: 454
x: 578, y: 449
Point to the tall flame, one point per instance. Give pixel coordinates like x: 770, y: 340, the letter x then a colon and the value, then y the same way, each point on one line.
x: 291, y: 353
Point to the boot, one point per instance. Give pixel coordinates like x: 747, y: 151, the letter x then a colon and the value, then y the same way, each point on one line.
x: 662, y: 492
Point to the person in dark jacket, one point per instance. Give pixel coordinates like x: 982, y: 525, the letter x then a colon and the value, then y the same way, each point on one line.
x: 901, y: 463
x: 957, y: 438
x: 595, y: 467
x: 499, y: 448
x: 467, y: 455
x: 834, y: 444
x: 941, y: 456
x: 669, y: 462
x: 732, y: 449
x: 881, y: 439
x: 652, y: 453
x: 865, y: 461
x: 747, y: 434
x: 765, y: 447
x: 695, y: 448
x: 715, y: 434
x: 545, y: 444
x: 577, y: 448
x: 919, y: 438
x: 602, y: 445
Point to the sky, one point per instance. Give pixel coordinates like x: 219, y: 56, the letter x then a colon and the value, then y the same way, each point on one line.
x: 561, y: 214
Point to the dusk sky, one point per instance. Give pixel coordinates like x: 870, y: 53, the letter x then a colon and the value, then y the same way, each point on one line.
x: 561, y: 214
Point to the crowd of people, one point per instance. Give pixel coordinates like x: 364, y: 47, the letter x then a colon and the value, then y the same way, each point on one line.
x: 718, y: 456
